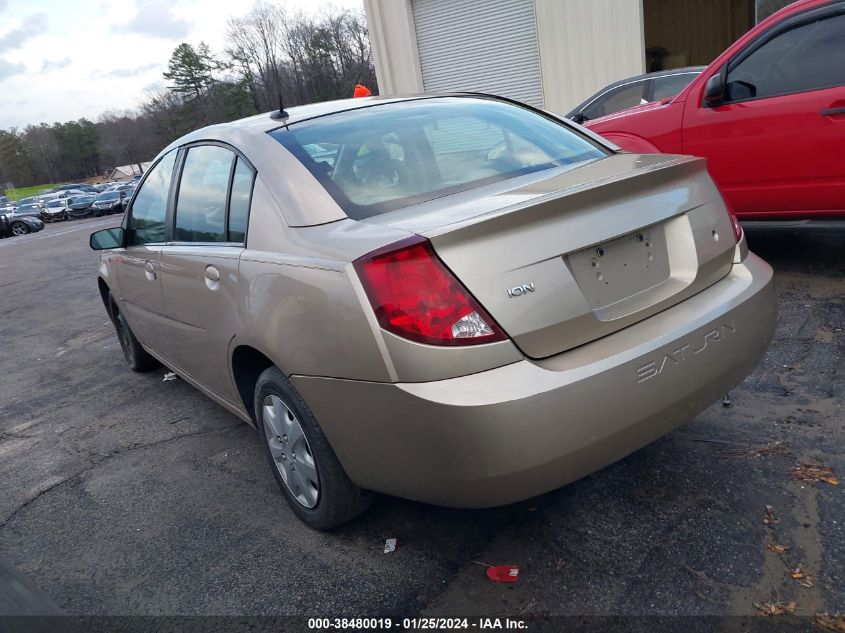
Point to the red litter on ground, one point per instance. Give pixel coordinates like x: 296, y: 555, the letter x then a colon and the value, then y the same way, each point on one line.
x: 503, y: 573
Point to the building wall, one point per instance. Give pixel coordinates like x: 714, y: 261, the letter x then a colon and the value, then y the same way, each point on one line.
x: 585, y: 45
x: 695, y: 32
x: 394, y: 44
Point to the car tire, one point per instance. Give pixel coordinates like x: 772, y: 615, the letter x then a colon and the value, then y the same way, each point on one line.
x: 136, y: 356
x: 19, y: 228
x: 337, y: 499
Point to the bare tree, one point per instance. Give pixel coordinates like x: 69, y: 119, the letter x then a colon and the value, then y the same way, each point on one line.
x: 268, y: 52
x: 255, y: 50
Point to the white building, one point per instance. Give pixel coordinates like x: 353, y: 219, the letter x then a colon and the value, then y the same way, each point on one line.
x: 549, y: 53
x: 125, y: 172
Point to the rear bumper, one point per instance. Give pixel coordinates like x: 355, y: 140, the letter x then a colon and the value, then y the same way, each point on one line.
x: 517, y: 431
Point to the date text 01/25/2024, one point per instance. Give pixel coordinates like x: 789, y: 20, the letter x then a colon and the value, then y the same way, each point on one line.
x: 415, y: 624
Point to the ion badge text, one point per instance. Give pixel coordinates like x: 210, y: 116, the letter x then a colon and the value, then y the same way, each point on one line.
x: 518, y: 291
x: 685, y: 352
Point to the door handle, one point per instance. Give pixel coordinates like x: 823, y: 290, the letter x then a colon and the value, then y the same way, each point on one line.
x: 832, y: 111
x: 212, y: 277
x: 150, y: 271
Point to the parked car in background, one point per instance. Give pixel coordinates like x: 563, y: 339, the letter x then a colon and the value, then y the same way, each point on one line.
x: 768, y: 115
x: 60, y: 195
x: 442, y: 308
x: 75, y: 187
x: 33, y: 210
x: 55, y: 210
x: 11, y: 225
x: 80, y: 206
x: 127, y: 197
x: 108, y: 202
x: 634, y: 91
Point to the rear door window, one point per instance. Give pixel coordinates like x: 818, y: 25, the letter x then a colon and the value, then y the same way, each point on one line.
x: 664, y: 87
x: 201, y: 201
x: 617, y: 99
x: 240, y: 200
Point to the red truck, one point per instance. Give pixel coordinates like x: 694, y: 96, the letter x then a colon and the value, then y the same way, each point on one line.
x: 768, y: 114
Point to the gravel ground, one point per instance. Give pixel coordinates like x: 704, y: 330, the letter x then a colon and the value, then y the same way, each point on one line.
x: 129, y: 495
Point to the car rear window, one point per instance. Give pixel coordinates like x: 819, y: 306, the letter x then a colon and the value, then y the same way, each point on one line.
x: 378, y: 159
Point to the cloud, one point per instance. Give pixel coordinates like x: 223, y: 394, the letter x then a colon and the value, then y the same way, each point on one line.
x: 3, y: 4
x: 8, y: 69
x: 121, y: 73
x: 32, y: 26
x: 155, y: 19
x: 49, y: 66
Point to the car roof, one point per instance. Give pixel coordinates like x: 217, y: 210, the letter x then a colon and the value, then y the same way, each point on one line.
x: 265, y: 122
x: 268, y: 156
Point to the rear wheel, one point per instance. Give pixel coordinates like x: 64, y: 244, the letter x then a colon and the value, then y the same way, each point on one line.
x: 136, y: 356
x: 305, y: 466
x: 19, y: 228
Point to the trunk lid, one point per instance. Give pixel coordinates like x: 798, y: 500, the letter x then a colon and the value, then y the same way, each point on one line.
x: 561, y: 259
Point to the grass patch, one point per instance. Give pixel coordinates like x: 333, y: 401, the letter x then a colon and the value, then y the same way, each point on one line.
x: 25, y: 192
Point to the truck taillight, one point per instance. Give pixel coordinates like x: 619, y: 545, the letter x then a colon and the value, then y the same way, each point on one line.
x: 416, y: 297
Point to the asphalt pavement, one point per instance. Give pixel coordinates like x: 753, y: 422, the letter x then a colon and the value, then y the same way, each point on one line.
x: 124, y: 494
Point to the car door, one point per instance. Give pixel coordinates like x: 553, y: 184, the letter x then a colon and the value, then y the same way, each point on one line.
x: 138, y: 265
x: 200, y: 263
x: 774, y: 145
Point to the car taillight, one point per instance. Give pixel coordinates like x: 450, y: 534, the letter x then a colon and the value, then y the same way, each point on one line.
x: 416, y: 297
x: 737, y: 228
x: 734, y: 222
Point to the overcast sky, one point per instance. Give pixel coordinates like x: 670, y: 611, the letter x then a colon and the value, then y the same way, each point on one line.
x: 66, y: 59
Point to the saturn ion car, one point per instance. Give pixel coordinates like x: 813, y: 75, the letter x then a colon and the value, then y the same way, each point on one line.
x: 455, y: 299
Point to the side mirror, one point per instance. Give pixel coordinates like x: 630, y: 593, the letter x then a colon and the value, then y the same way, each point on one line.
x: 714, y: 91
x: 579, y: 118
x: 106, y: 239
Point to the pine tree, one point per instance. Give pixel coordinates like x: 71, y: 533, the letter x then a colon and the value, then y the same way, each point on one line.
x: 190, y: 69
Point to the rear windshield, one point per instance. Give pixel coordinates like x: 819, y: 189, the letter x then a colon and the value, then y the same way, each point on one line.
x: 377, y: 159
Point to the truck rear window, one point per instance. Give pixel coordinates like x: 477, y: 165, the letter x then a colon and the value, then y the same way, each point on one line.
x: 378, y: 159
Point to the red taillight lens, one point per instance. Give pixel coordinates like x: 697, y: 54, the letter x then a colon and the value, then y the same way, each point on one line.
x: 416, y: 297
x: 737, y: 228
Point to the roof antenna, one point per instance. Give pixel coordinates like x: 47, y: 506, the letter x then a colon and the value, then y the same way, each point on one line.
x: 281, y: 114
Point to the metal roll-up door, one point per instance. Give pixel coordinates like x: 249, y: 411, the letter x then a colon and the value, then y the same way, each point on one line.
x: 488, y: 46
